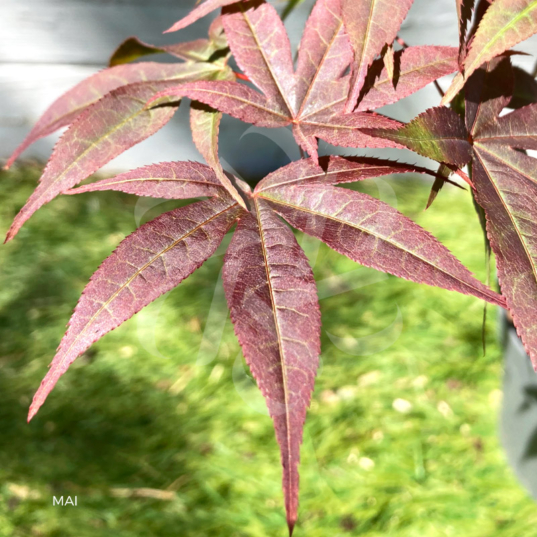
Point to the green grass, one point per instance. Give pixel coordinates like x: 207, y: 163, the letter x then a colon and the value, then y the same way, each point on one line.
x: 139, y: 412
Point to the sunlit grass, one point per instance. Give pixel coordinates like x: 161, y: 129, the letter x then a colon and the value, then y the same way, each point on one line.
x: 400, y: 442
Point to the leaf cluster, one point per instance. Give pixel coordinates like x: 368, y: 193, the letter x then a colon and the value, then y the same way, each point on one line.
x: 350, y: 63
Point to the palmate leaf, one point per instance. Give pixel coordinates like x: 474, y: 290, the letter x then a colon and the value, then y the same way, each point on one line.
x: 439, y: 133
x: 313, y: 98
x: 147, y: 264
x: 371, y: 24
x: 505, y: 24
x: 273, y: 301
x: 374, y: 234
x: 70, y: 105
x: 268, y: 282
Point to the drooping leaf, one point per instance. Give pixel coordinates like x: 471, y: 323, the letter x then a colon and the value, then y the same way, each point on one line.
x: 334, y: 170
x: 169, y: 180
x: 505, y: 24
x: 199, y: 12
x: 273, y: 301
x: 506, y: 183
x: 415, y: 67
x: 438, y: 133
x: 205, y: 124
x: 70, y: 105
x: 371, y: 24
x: 106, y: 129
x: 487, y: 93
x: 376, y: 235
x: 200, y: 50
x: 147, y: 264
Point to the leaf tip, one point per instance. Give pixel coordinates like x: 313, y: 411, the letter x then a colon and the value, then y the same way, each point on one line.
x: 291, y: 524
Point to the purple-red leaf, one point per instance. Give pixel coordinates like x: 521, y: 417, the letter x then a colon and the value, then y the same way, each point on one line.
x: 169, y: 180
x: 350, y: 130
x: 313, y: 99
x: 234, y: 99
x: 106, y: 129
x: 506, y: 184
x: 517, y: 129
x: 376, y: 235
x: 371, y: 24
x: 334, y: 170
x: 70, y: 105
x: 147, y: 264
x: 261, y: 48
x: 415, y: 67
x: 505, y: 24
x: 487, y: 93
x: 199, y: 12
x: 439, y: 134
x: 205, y: 124
x: 272, y: 296
x: 323, y: 56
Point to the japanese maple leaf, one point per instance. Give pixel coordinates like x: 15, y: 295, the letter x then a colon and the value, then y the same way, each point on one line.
x: 504, y: 177
x: 312, y: 99
x: 268, y: 283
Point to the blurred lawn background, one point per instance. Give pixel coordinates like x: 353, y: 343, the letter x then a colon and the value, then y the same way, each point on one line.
x: 401, y: 442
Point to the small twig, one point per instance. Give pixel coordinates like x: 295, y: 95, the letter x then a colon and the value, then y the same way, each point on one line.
x: 439, y: 89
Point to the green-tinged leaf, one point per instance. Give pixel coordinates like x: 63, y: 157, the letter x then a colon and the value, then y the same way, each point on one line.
x: 438, y: 133
x: 505, y: 24
x: 70, y: 105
